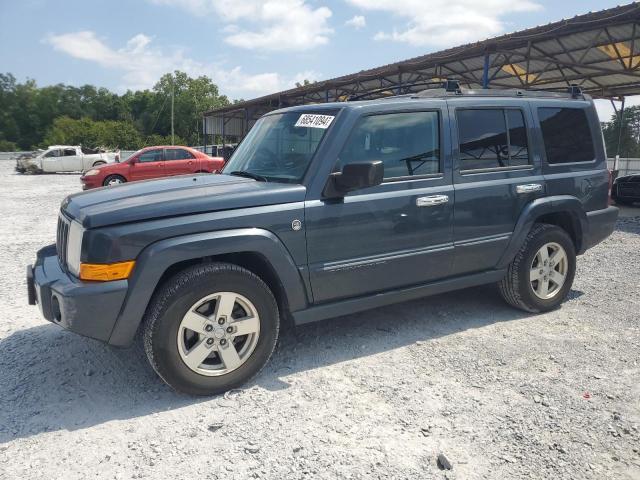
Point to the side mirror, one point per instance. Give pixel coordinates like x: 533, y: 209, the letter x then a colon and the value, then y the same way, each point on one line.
x: 354, y: 176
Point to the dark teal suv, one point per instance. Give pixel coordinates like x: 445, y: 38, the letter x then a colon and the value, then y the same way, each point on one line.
x: 325, y: 210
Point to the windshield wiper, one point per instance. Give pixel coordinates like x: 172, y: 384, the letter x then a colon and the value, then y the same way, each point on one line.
x: 255, y: 176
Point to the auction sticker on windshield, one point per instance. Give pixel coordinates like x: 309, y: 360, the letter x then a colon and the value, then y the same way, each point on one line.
x: 311, y: 120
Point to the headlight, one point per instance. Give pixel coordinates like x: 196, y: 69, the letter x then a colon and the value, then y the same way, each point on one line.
x: 74, y: 247
x: 92, y: 172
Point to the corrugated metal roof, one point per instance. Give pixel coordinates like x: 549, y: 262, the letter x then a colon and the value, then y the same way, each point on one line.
x: 576, y: 50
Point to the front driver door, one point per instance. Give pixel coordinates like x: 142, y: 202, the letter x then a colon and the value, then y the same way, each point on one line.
x: 51, y: 161
x: 71, y: 161
x: 395, y: 234
x: 149, y: 164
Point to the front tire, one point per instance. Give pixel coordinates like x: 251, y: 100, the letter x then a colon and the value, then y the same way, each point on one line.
x: 541, y: 274
x: 114, y: 180
x: 211, y: 328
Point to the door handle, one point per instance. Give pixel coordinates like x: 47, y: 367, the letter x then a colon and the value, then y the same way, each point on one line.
x: 528, y: 188
x: 432, y: 200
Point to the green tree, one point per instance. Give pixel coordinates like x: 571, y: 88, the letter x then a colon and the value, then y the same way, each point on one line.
x: 31, y: 116
x: 7, y: 146
x: 304, y: 83
x: 192, y: 97
x: 104, y: 133
x: 629, y: 137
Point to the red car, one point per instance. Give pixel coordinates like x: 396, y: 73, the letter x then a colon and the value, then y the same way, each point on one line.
x: 151, y: 162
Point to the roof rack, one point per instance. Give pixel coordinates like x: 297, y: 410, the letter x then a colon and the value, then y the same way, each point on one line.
x: 452, y: 88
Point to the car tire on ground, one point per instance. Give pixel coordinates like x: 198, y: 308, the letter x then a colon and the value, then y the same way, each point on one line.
x: 541, y: 274
x: 210, y: 328
x: 114, y: 180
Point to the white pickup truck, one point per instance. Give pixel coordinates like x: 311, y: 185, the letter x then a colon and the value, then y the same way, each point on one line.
x: 65, y: 158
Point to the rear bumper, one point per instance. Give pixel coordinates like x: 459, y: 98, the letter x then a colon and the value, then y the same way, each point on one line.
x: 600, y: 224
x: 86, y: 308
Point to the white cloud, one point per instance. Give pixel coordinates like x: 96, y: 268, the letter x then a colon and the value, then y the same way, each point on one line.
x: 605, y: 109
x: 142, y: 65
x: 445, y: 22
x: 272, y: 25
x: 356, y: 22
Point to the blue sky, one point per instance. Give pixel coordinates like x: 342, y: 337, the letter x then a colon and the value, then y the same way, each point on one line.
x: 248, y: 47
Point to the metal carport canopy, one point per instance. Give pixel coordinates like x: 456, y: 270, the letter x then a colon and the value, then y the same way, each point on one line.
x: 598, y: 51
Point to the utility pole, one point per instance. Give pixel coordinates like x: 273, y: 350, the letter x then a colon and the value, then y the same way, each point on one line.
x: 195, y: 100
x: 172, y: 95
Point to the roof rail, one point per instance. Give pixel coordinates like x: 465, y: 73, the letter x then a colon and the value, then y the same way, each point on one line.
x: 574, y: 92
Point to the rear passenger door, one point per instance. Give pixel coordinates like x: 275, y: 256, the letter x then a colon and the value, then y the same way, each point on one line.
x: 179, y: 161
x: 395, y: 234
x: 149, y: 164
x: 496, y: 174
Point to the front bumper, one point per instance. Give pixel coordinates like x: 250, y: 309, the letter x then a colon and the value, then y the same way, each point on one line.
x: 600, y: 224
x: 24, y: 165
x: 90, y: 182
x: 87, y: 308
x: 626, y: 191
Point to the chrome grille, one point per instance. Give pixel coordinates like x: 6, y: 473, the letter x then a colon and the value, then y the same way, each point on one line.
x: 62, y: 237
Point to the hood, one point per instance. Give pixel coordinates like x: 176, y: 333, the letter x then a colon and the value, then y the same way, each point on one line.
x: 109, y: 167
x: 632, y: 177
x: 175, y: 196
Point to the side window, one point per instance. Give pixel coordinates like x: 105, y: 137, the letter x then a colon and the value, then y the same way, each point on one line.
x: 518, y: 148
x: 177, y: 154
x: 151, y: 156
x: 69, y: 152
x: 566, y: 134
x: 52, y: 153
x: 492, y: 138
x: 407, y: 143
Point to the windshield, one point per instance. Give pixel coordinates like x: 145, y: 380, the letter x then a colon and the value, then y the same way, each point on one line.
x: 280, y: 147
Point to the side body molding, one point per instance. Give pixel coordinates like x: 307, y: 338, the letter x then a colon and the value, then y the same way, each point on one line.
x: 543, y: 206
x: 155, y: 259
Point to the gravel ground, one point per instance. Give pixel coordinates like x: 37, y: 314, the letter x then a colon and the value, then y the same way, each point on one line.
x: 501, y: 394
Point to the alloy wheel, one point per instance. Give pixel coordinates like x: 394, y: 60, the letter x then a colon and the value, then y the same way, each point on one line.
x: 218, y: 333
x: 548, y: 270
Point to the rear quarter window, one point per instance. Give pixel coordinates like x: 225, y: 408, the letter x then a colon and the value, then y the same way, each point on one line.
x: 566, y: 134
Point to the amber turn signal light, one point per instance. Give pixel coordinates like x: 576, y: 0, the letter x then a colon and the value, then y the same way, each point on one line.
x: 101, y: 272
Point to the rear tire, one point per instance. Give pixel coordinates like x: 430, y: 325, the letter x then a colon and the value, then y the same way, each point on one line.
x: 541, y: 274
x: 98, y: 163
x: 211, y: 328
x: 114, y: 180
